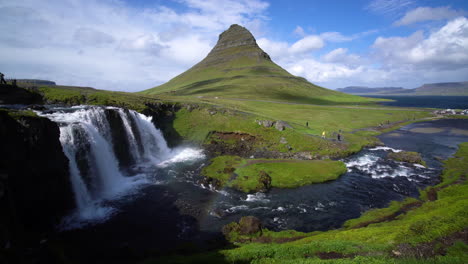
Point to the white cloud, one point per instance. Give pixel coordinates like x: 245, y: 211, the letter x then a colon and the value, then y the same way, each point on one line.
x: 282, y: 49
x: 307, y: 44
x: 437, y: 56
x: 421, y: 14
x: 276, y: 49
x: 336, y: 37
x: 341, y: 56
x: 299, y: 31
x: 389, y: 7
x: 92, y: 37
x: 111, y: 45
x: 442, y: 49
x: 321, y: 72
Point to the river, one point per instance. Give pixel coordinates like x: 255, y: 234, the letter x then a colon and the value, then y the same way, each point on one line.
x: 156, y: 203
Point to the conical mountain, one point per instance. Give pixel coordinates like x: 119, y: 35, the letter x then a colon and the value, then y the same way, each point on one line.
x: 238, y: 68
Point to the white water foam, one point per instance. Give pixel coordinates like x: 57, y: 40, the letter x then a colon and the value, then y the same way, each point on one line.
x: 237, y: 208
x: 257, y: 197
x: 386, y: 149
x: 378, y: 168
x: 182, y: 155
x: 362, y: 161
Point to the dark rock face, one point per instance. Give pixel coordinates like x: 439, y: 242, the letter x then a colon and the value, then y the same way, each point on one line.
x: 230, y: 143
x: 235, y: 37
x: 119, y: 138
x: 164, y: 115
x: 34, y: 176
x: 16, y: 95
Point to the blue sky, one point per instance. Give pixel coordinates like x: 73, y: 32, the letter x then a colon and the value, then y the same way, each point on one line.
x: 138, y: 44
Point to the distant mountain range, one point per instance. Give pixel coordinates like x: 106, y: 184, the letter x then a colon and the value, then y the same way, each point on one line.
x: 442, y: 89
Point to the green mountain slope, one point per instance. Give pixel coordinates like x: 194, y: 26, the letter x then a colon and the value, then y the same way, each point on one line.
x: 238, y: 68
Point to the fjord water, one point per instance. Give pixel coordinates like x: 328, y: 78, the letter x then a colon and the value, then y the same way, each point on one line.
x: 429, y: 101
x: 157, y: 203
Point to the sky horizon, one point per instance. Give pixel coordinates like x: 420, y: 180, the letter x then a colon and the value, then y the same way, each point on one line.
x: 136, y: 45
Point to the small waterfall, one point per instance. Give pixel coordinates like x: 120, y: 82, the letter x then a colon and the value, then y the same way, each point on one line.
x: 89, y: 139
x: 134, y: 150
x: 153, y: 139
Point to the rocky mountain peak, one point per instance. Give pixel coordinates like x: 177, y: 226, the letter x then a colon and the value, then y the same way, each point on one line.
x: 235, y: 42
x: 235, y: 36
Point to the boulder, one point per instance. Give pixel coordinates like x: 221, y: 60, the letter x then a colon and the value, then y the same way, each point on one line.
x: 264, y: 181
x: 281, y: 125
x: 407, y: 156
x: 283, y: 141
x: 266, y: 123
x: 249, y: 225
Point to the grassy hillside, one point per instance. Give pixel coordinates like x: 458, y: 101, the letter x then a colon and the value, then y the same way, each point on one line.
x: 72, y: 95
x: 238, y: 68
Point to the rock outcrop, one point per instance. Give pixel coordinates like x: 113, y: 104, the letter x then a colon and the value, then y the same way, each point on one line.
x: 235, y: 37
x: 164, y: 115
x: 36, y: 190
x: 407, y: 156
x: 10, y: 94
x: 279, y: 125
x: 248, y: 225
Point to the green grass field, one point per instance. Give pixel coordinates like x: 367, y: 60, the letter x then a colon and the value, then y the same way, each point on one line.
x: 72, y: 95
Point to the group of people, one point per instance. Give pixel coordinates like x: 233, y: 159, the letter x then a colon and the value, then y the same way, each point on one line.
x: 324, y: 134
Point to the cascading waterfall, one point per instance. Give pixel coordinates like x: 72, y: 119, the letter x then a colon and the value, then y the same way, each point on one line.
x: 153, y: 138
x: 88, y: 141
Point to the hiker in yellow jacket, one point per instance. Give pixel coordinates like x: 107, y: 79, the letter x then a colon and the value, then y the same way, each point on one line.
x: 323, y: 134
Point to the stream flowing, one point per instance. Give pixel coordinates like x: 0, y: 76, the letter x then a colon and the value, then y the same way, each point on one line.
x: 131, y: 189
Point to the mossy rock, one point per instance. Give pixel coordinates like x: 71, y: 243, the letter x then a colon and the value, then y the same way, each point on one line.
x: 407, y: 156
x: 247, y: 227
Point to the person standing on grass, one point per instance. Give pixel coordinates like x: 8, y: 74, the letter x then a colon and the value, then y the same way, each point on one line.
x: 307, y: 124
x: 2, y: 80
x: 323, y: 134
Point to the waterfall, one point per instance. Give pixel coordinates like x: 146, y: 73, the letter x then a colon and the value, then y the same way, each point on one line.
x: 89, y: 138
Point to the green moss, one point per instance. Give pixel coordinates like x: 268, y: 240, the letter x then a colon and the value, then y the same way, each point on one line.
x: 407, y: 156
x: 245, y: 174
x: 380, y: 214
x: 292, y: 174
x: 16, y: 114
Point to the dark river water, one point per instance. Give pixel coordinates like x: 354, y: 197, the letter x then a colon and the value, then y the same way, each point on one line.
x: 173, y: 209
x: 452, y: 102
